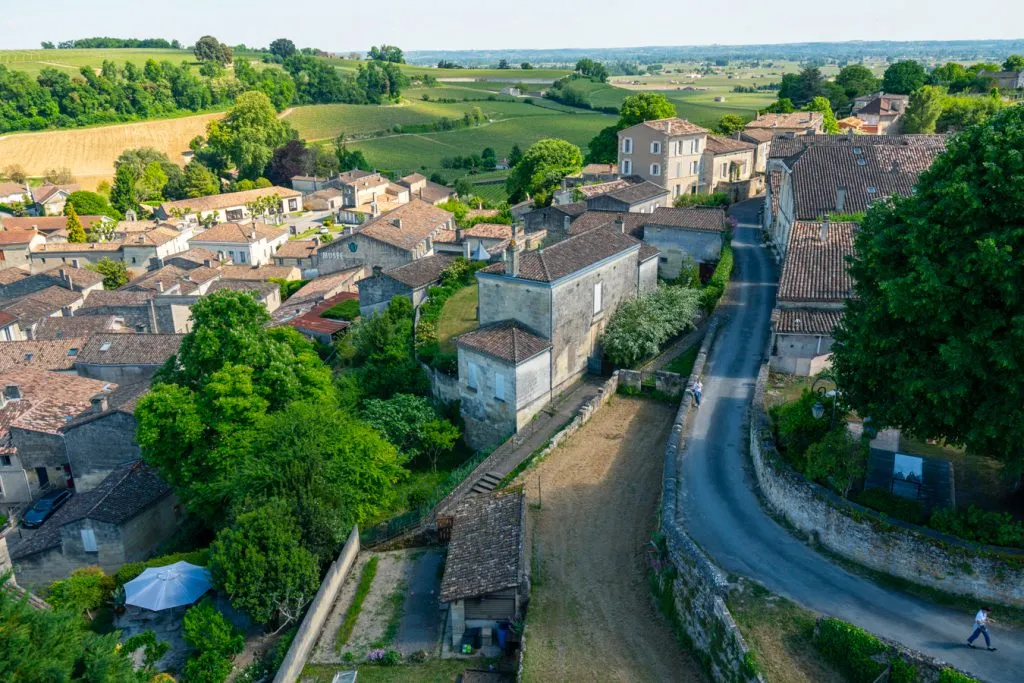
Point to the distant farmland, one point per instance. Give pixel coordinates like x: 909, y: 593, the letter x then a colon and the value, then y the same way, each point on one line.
x: 90, y: 152
x: 70, y: 61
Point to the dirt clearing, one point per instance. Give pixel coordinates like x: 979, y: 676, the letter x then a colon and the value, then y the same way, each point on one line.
x: 90, y: 152
x: 591, y: 616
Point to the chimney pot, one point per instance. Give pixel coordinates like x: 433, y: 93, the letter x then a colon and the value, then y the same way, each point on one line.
x: 208, y: 263
x: 512, y: 259
x: 458, y: 234
x: 99, y: 403
x: 159, y: 286
x: 620, y: 224
x: 378, y: 271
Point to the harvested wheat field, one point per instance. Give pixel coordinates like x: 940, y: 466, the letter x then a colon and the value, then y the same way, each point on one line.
x: 591, y: 615
x: 90, y: 152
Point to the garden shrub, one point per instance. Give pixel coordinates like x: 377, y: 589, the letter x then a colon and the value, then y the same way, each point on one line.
x: 797, y: 428
x: 208, y: 667
x: 902, y: 671
x: 713, y: 199
x: 981, y: 526
x: 850, y: 649
x: 892, y: 505
x: 153, y: 649
x: 206, y: 630
x: 288, y: 287
x: 84, y: 591
x: 715, y: 288
x: 129, y: 571
x: 838, y: 460
x: 954, y: 676
x: 640, y: 326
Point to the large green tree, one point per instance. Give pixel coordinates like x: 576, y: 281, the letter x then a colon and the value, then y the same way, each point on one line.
x: 1014, y: 63
x: 198, y: 181
x: 115, y: 273
x: 857, y: 80
x: 76, y: 233
x: 258, y: 564
x: 924, y: 109
x: 209, y: 49
x: 282, y: 47
x: 647, y: 106
x: 542, y: 168
x: 91, y: 204
x: 904, y: 77
x: 249, y: 134
x: 821, y: 104
x: 933, y: 339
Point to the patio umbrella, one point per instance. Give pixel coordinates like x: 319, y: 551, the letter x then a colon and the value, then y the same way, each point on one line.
x: 160, y: 588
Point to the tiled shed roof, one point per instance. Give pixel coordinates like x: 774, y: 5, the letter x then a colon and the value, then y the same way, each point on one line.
x: 805, y: 320
x: 816, y: 270
x: 130, y: 349
x: 570, y: 255
x: 507, y: 340
x: 486, y: 549
x: 421, y: 271
x: 417, y: 219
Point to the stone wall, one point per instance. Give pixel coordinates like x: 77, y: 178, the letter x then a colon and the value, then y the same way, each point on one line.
x: 914, y: 553
x: 375, y: 293
x: 698, y: 587
x: 669, y: 383
x: 676, y: 245
x: 96, y: 447
x: 319, y: 610
x: 443, y: 387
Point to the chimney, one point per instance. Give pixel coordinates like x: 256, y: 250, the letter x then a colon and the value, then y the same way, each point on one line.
x: 316, y: 240
x: 208, y: 263
x: 512, y: 259
x: 99, y: 403
x: 620, y: 225
x: 378, y: 271
x: 160, y: 286
x: 840, y: 198
x: 252, y: 235
x: 140, y: 329
x: 824, y: 229
x: 12, y: 392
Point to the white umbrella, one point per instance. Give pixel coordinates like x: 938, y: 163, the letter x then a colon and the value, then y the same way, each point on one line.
x: 160, y: 588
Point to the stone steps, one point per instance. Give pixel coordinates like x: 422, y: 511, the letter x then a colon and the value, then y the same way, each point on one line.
x: 487, y: 483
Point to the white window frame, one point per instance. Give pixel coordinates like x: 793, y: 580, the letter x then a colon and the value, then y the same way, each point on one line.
x: 499, y: 386
x: 695, y: 145
x: 656, y: 169
x: 598, y: 297
x: 471, y: 381
x: 694, y: 167
x: 656, y: 147
x: 89, y: 541
x: 627, y: 145
x: 626, y: 167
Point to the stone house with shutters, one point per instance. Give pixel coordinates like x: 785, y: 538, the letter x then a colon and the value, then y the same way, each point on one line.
x: 388, y: 240
x: 230, y: 207
x: 51, y: 199
x: 411, y: 280
x: 486, y: 579
x: 666, y: 152
x: 123, y: 519
x: 16, y: 245
x: 728, y: 166
x: 541, y: 314
x: 813, y: 289
x: 251, y: 244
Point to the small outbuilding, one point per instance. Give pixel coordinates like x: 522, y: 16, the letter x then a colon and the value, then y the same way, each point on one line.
x: 485, y: 583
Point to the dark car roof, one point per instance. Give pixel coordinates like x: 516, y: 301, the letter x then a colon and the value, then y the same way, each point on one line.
x: 49, y: 495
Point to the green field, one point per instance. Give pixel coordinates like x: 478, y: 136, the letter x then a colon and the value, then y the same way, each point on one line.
x: 34, y: 61
x: 423, y: 153
x: 511, y: 75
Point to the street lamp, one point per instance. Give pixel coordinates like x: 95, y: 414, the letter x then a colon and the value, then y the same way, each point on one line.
x: 818, y: 409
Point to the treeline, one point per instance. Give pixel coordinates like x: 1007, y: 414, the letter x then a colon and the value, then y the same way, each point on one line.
x: 126, y: 92
x: 563, y: 92
x: 104, y: 42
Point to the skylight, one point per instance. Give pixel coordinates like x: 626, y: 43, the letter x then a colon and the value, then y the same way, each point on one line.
x: 105, y: 346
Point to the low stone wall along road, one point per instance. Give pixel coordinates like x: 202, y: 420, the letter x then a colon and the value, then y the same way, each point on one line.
x: 591, y: 614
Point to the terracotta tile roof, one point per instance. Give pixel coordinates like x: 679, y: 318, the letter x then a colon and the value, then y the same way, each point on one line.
x: 648, y: 251
x: 507, y: 340
x: 418, y: 221
x: 797, y: 119
x: 805, y: 320
x: 123, y: 399
x: 235, y: 233
x: 192, y: 257
x: 7, y: 189
x: 145, y: 226
x: 422, y: 271
x: 429, y: 192
x: 446, y: 237
x: 599, y: 169
x: 155, y: 237
x: 6, y: 319
x: 80, y: 326
x: 124, y: 493
x: 570, y: 255
x: 298, y: 249
x: 117, y: 297
x: 226, y: 201
x: 816, y: 270
x: 674, y: 126
x: 326, y: 285
x: 44, y: 192
x: 81, y: 278
x: 637, y: 193
x: 597, y: 189
x: 47, y: 223
x: 11, y: 238
x: 354, y: 174
x: 260, y: 273
x: 45, y: 301
x: 55, y: 354
x: 260, y: 288
x: 366, y: 181
x: 592, y: 220
x: 720, y: 145
x: 485, y: 553
x: 886, y: 105
x: 48, y: 400
x: 851, y: 122
x: 77, y: 248
x: 691, y: 218
x: 312, y: 320
x: 784, y: 147
x: 868, y: 172
x: 161, y: 280
x: 757, y: 135
x: 129, y: 349
x: 490, y: 230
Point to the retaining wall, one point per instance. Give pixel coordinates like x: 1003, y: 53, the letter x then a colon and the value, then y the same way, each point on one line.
x: 922, y: 556
x: 319, y: 610
x: 698, y: 587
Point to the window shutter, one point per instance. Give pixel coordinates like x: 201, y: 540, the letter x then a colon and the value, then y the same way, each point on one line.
x: 89, y: 540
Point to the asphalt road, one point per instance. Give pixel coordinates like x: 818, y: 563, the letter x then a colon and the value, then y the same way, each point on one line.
x: 725, y: 517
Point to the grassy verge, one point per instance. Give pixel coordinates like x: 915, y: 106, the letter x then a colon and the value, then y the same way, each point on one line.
x: 457, y: 316
x: 396, y: 602
x: 780, y: 634
x: 683, y: 363
x: 362, y: 590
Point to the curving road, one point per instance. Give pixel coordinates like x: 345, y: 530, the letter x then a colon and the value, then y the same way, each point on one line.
x: 725, y: 517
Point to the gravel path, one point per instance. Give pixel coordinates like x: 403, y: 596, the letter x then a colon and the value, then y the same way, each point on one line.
x: 591, y: 616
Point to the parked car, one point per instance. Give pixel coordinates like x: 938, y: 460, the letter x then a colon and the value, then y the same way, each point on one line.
x: 45, y: 507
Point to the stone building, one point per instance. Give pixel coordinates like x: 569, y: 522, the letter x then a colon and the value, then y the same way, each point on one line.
x: 685, y: 235
x: 812, y: 291
x: 643, y: 197
x: 16, y: 245
x: 486, y: 579
x: 563, y: 296
x: 251, y: 244
x: 34, y: 406
x: 123, y: 519
x: 389, y: 240
x: 125, y: 358
x: 728, y: 166
x: 426, y: 190
x: 303, y: 254
x: 797, y: 123
x: 761, y: 138
x: 666, y: 152
x: 230, y: 207
x: 411, y: 280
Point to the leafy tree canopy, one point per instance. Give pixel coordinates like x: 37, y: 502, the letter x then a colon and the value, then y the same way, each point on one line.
x: 730, y: 124
x: 821, y: 104
x: 209, y: 49
x: 1014, y: 63
x: 931, y: 341
x: 923, y: 110
x: 76, y: 233
x: 857, y: 80
x: 644, y: 106
x: 282, y: 47
x: 88, y: 203
x: 542, y: 168
x: 249, y: 134
x: 904, y: 77
x: 115, y: 273
x: 387, y: 53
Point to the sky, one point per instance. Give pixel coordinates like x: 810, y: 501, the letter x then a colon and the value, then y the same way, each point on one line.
x: 342, y: 26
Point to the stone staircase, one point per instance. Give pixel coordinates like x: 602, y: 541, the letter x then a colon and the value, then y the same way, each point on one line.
x: 486, y: 483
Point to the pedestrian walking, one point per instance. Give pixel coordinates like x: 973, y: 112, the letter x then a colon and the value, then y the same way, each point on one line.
x: 981, y: 620
x: 698, y: 391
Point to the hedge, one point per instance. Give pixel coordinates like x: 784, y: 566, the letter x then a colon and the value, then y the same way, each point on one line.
x: 129, y: 571
x: 850, y: 649
x: 954, y: 676
x: 719, y: 280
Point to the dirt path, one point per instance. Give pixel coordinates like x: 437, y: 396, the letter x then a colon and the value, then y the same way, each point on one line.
x: 591, y: 616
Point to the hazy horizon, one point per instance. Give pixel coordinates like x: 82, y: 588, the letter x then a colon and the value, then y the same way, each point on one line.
x: 529, y: 25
